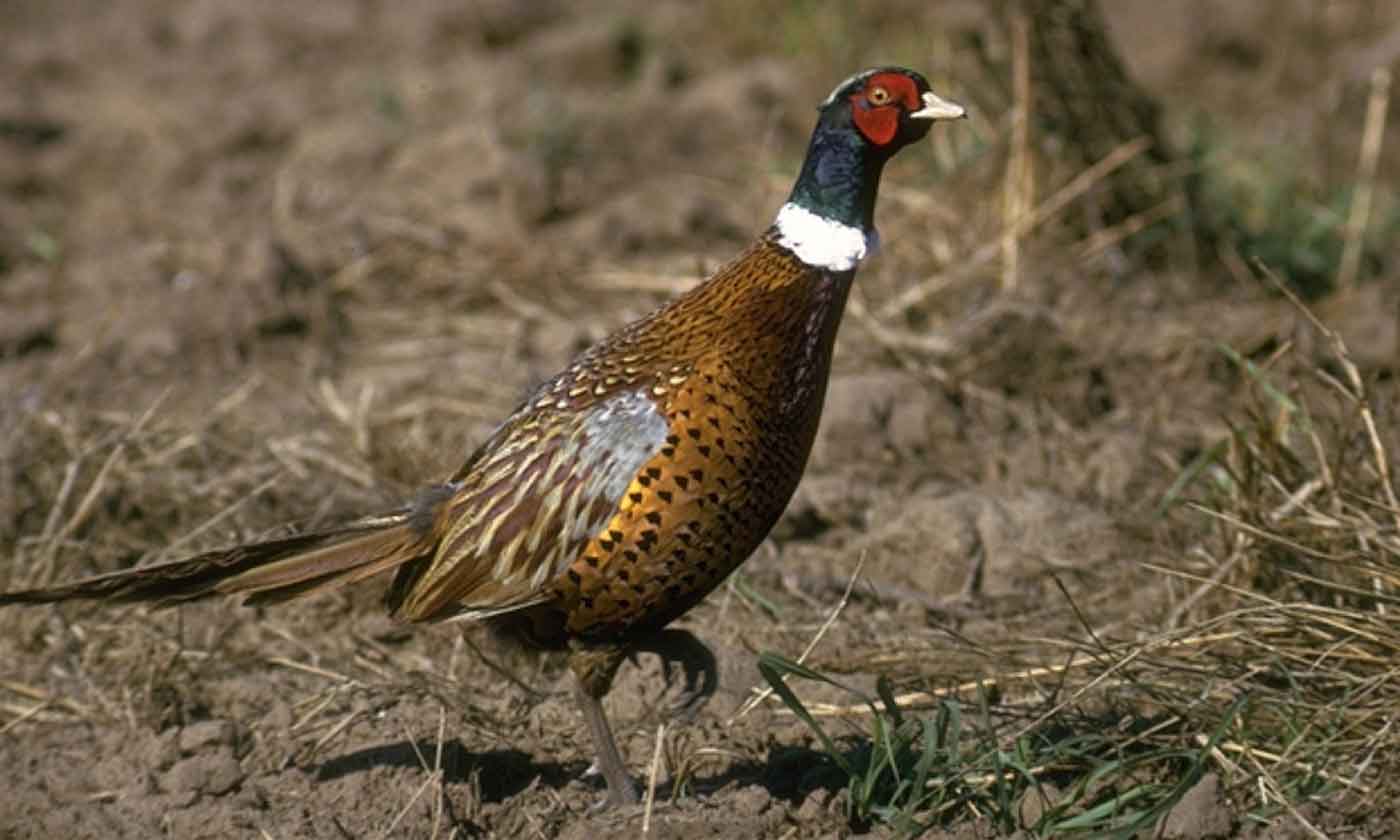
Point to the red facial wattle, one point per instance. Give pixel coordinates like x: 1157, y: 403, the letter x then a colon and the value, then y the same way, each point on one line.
x: 880, y: 123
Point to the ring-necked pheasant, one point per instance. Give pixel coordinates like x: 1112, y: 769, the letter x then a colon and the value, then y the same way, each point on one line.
x: 628, y: 486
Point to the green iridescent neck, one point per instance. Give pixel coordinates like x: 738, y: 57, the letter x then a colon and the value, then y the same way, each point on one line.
x: 840, y: 176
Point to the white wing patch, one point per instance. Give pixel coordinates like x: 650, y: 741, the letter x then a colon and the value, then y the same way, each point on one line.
x: 619, y: 436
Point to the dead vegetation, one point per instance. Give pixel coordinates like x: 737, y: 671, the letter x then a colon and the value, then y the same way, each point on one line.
x: 1273, y: 672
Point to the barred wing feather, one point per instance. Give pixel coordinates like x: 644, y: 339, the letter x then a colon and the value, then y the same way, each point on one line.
x: 527, y: 504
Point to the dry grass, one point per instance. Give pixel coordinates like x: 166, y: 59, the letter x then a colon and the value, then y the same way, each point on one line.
x: 1277, y: 668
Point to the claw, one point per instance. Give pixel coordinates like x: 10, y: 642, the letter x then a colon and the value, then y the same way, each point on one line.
x: 696, y: 661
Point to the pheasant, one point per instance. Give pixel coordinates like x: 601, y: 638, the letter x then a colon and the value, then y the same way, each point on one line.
x: 627, y: 487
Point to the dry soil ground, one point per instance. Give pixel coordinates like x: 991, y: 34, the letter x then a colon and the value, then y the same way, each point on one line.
x: 271, y: 262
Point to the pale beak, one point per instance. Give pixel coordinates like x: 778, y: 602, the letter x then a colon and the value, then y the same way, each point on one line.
x: 938, y: 109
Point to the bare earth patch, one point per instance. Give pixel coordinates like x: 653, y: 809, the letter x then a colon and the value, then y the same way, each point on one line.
x: 283, y: 263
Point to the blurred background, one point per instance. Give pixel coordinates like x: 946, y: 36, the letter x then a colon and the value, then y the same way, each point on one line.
x: 1121, y: 378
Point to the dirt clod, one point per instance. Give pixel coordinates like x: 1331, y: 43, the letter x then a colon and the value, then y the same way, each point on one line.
x: 1202, y: 813
x: 1036, y: 801
x: 213, y: 772
x: 751, y: 801
x: 207, y: 733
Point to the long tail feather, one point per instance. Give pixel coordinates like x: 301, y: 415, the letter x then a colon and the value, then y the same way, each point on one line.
x: 267, y: 572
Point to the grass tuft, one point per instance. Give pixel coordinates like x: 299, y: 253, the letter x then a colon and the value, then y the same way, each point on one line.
x: 1276, y: 672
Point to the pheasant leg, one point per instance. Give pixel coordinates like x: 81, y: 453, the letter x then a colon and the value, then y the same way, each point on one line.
x: 594, y: 669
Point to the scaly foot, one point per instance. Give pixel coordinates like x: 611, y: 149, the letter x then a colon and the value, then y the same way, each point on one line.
x: 697, y: 662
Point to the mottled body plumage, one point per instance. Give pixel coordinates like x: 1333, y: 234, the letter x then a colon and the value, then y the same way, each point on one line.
x: 741, y: 411
x: 627, y: 487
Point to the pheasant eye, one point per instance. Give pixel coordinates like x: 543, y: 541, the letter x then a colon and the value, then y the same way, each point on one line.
x: 878, y: 96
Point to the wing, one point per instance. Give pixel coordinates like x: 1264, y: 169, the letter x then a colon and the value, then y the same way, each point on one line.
x: 520, y: 511
x: 695, y: 509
